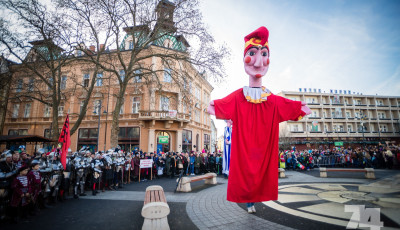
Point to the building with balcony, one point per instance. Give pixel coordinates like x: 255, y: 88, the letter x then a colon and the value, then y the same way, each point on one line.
x: 351, y: 119
x: 159, y: 113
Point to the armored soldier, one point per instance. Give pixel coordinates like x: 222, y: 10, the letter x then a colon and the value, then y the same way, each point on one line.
x: 56, y: 175
x: 108, y: 173
x: 80, y: 165
x: 96, y: 166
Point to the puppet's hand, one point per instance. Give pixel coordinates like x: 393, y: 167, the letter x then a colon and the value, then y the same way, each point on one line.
x: 305, y: 108
x: 211, y: 108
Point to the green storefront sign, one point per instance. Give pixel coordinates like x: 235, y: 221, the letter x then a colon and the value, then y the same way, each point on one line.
x: 163, y: 139
x: 339, y: 143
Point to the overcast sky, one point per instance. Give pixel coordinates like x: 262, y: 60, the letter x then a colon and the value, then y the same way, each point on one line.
x: 348, y: 45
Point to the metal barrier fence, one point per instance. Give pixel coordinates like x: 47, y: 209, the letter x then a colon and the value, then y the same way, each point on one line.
x: 329, y: 161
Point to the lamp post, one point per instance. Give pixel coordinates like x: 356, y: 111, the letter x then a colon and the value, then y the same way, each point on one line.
x: 97, y: 111
x: 362, y: 118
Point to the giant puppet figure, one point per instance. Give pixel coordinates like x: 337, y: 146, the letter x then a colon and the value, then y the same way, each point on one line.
x: 227, y: 148
x: 256, y: 113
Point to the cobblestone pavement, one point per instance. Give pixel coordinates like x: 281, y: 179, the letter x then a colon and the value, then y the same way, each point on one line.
x: 210, y: 210
x: 206, y: 206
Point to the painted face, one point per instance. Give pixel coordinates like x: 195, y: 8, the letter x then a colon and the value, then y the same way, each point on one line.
x: 256, y: 61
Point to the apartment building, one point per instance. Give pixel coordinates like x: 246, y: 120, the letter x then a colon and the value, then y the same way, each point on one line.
x: 344, y: 117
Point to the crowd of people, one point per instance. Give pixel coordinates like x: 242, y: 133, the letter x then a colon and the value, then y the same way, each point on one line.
x: 31, y: 183
x: 372, y: 156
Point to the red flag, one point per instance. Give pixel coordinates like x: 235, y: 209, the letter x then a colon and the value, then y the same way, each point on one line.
x: 65, y: 139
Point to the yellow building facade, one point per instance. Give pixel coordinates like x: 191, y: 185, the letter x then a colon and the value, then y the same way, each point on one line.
x: 161, y: 112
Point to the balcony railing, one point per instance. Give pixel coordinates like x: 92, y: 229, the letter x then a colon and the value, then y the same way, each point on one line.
x: 163, y: 115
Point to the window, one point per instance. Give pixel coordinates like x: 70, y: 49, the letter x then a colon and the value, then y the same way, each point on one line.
x: 99, y: 80
x: 197, y: 93
x: 164, y: 103
x: 122, y: 74
x: 186, y: 141
x: 348, y: 114
x: 87, y: 133
x: 60, y: 110
x: 130, y: 45
x: 129, y: 132
x: 27, y: 111
x: 333, y: 114
x: 383, y: 128
x: 30, y: 84
x: 121, y: 110
x: 15, y: 111
x: 295, y: 128
x: 47, y: 111
x: 205, y: 121
x: 81, y: 106
x: 135, y: 104
x: 184, y: 108
x: 324, y: 114
x: 138, y: 78
x: 314, y: 114
x: 79, y: 53
x: 86, y: 80
x: 97, y: 106
x: 167, y: 75
x: 50, y: 86
x: 197, y: 115
x: 16, y: 132
x: 63, y: 84
x: 349, y: 128
x: 19, y: 85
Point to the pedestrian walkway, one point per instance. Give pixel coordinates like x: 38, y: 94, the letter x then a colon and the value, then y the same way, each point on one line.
x: 305, y: 202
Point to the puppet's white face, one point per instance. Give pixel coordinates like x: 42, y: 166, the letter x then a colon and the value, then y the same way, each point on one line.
x: 256, y: 61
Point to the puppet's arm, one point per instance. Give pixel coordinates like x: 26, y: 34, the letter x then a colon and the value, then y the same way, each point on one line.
x: 305, y: 108
x: 211, y: 108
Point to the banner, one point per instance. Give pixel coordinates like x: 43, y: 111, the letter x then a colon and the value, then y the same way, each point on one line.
x: 163, y: 139
x: 146, y: 163
x: 65, y: 139
x: 172, y: 113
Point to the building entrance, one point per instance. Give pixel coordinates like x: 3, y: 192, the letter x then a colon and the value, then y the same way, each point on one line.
x: 163, y: 142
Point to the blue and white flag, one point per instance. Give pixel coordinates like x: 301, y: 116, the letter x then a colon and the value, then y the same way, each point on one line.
x: 227, y: 150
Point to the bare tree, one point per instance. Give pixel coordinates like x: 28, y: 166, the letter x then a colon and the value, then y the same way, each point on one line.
x: 148, y: 24
x: 43, y: 42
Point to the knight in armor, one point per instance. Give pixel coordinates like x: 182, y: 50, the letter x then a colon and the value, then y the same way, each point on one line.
x: 7, y: 173
x: 119, y: 162
x: 80, y: 166
x: 56, y: 176
x: 22, y: 193
x: 96, y: 166
x: 66, y: 177
x: 108, y: 173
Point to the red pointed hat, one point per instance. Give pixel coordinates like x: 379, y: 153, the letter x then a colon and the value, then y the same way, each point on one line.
x: 259, y: 37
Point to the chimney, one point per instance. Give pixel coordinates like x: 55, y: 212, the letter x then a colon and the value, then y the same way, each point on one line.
x: 101, y: 47
x: 92, y: 48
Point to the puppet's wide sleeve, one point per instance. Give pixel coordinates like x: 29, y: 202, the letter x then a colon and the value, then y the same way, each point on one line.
x: 288, y: 109
x: 225, y: 107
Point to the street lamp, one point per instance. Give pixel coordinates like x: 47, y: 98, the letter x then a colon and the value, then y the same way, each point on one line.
x: 362, y: 118
x: 97, y: 111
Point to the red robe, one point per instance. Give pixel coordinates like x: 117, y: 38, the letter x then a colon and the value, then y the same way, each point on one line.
x: 253, y: 172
